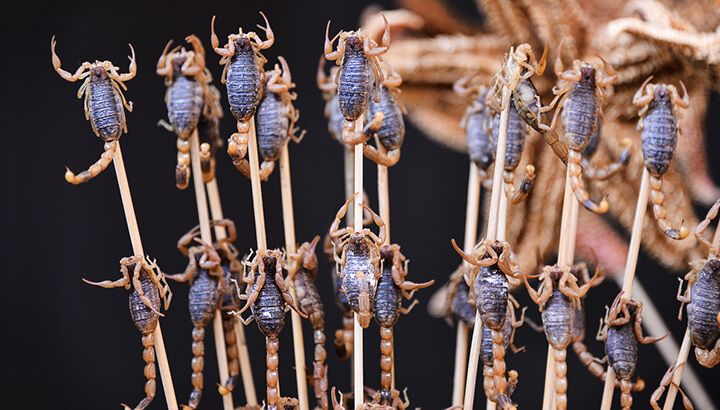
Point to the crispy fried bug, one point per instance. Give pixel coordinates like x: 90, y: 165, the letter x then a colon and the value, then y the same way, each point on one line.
x: 513, y: 154
x: 606, y: 171
x: 206, y: 277
x: 477, y: 122
x: 343, y: 337
x: 558, y: 297
x: 268, y: 298
x: 579, y: 96
x: 209, y: 131
x: 486, y: 345
x: 622, y: 331
x: 397, y: 403
x: 147, y: 288
x: 358, y: 264
x: 244, y: 77
x: 391, y: 289
x: 358, y: 57
x: 306, y: 263
x: 185, y: 76
x: 102, y: 90
x: 391, y: 132
x: 659, y: 106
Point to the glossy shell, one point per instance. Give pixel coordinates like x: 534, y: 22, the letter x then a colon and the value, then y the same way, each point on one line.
x: 580, y: 111
x: 387, y: 298
x: 558, y: 316
x: 272, y: 126
x: 491, y: 296
x: 392, y: 130
x: 184, y: 102
x: 203, y: 298
x: 355, y: 80
x: 704, y: 306
x: 621, y: 348
x: 243, y: 81
x: 105, y: 108
x: 659, y: 133
x: 144, y: 318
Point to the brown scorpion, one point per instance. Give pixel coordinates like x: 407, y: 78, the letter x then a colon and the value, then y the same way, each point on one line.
x: 477, y: 122
x: 659, y: 105
x: 390, y: 133
x: 102, y: 90
x: 147, y: 288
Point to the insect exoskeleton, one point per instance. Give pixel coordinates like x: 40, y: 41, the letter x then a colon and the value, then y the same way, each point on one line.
x: 659, y: 107
x: 104, y: 103
x: 243, y: 76
x: 477, y: 122
x: 326, y: 84
x: 358, y: 57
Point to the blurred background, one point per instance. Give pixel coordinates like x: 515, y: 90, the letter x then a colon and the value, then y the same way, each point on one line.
x: 74, y: 346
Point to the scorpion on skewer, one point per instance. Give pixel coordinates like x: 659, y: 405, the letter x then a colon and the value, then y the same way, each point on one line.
x: 343, y: 337
x: 268, y: 298
x: 103, y: 100
x: 185, y: 77
x: 390, y: 134
x: 396, y: 402
x: 326, y: 84
x: 486, y: 352
x: 477, y: 122
x: 621, y: 331
x: 451, y: 300
x: 209, y: 131
x: 513, y: 154
x: 659, y: 106
x: 147, y: 288
x: 359, y: 264
x: 558, y: 297
x: 304, y: 271
x: 392, y: 287
x: 244, y: 76
x: 579, y: 96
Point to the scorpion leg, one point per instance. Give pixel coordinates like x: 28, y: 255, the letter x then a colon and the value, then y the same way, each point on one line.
x: 380, y: 238
x: 252, y: 297
x: 163, y: 67
x: 132, y: 69
x: 207, y: 163
x: 137, y: 286
x: 682, y: 297
x: 406, y: 310
x: 601, y: 174
x: 385, y: 41
x: 95, y: 169
x: 328, y: 47
x: 644, y: 95
x: 375, y: 155
x: 351, y: 138
x: 469, y: 259
x: 638, y: 329
x: 221, y: 51
x: 285, y: 293
x: 268, y: 34
x: 711, y: 214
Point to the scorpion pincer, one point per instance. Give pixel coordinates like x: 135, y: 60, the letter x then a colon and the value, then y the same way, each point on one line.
x: 102, y: 90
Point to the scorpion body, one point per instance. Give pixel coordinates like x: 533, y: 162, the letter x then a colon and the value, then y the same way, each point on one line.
x: 326, y: 84
x: 147, y: 288
x: 209, y: 132
x: 513, y: 154
x: 104, y: 105
x: 659, y: 134
x: 391, y: 132
x: 460, y: 306
x: 478, y: 124
x: 343, y: 337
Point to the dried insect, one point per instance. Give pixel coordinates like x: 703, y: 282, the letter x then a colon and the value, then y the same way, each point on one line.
x: 477, y: 122
x: 209, y: 132
x: 666, y: 381
x: 621, y: 332
x: 605, y: 172
x: 513, y: 154
x: 358, y: 57
x: 326, y: 84
x: 451, y: 300
x: 558, y: 296
x: 391, y: 132
x: 579, y: 96
x: 244, y: 77
x: 659, y: 105
x: 267, y: 297
x: 184, y: 73
x: 486, y: 347
x: 276, y: 118
x: 397, y: 403
x: 147, y: 288
x: 102, y: 90
x: 206, y: 277
x: 358, y: 264
x: 305, y: 265
x: 392, y: 287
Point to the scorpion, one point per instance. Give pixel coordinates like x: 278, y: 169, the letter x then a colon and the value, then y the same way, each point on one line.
x: 659, y: 105
x: 602, y: 173
x: 268, y: 299
x: 244, y: 76
x: 276, y: 118
x: 102, y: 90
x: 209, y: 132
x: 477, y: 122
x: 395, y: 402
x: 451, y: 301
x: 326, y: 84
x: 489, y: 281
x: 358, y: 265
x: 392, y: 287
x: 391, y: 132
x: 513, y: 153
x: 185, y: 75
x: 579, y: 95
x: 147, y: 288
x: 557, y: 297
x: 343, y: 337
x: 207, y: 286
x: 621, y: 332
x: 357, y: 56
x: 305, y: 265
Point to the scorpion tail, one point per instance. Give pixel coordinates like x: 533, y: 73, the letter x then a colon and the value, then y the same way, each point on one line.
x: 488, y: 381
x: 578, y: 186
x: 197, y: 364
x: 207, y: 162
x: 519, y: 194
x: 232, y: 356
x: 386, y: 361
x: 560, y: 357
x: 658, y: 200
x: 182, y: 169
x: 558, y: 147
x: 344, y: 339
x: 625, y: 394
x: 271, y: 376
x: 609, y: 170
x: 95, y: 169
x: 148, y: 342
x: 320, y: 382
x: 499, y: 381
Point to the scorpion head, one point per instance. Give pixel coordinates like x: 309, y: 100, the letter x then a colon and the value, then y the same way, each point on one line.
x: 243, y: 42
x: 357, y: 242
x: 662, y: 94
x: 354, y: 42
x: 587, y: 75
x: 269, y: 259
x: 177, y: 63
x: 98, y: 73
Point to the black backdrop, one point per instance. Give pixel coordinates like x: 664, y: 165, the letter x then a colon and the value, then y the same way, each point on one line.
x: 69, y: 345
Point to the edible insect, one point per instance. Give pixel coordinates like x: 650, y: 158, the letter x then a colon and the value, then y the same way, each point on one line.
x: 276, y: 118
x: 558, y: 297
x: 209, y: 132
x: 326, y: 84
x: 486, y: 347
x: 147, y: 288
x: 579, y: 96
x: 513, y: 154
x: 102, y: 90
x: 397, y: 403
x: 243, y: 76
x: 390, y: 134
x: 358, y: 57
x: 477, y: 122
x: 622, y: 331
x: 267, y: 297
x: 659, y: 105
x: 306, y: 265
x: 185, y: 75
x: 343, y: 337
x: 391, y: 289
x: 602, y: 173
x: 358, y: 262
x: 451, y: 300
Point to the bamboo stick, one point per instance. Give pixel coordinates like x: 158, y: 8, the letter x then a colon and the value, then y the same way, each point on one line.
x: 206, y: 235
x: 216, y: 211
x: 291, y: 247
x: 258, y: 211
x: 358, y: 383
x: 491, y: 235
x: 384, y: 205
x: 349, y: 181
x: 134, y: 231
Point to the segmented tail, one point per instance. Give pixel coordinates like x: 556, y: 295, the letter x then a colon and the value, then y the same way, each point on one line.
x: 148, y: 342
x: 182, y: 169
x: 197, y: 364
x: 320, y: 382
x: 608, y: 170
x: 271, y: 375
x: 598, y: 370
x: 517, y: 195
x: 499, y: 381
x: 561, y: 384
x: 488, y: 381
x: 578, y: 186
x: 207, y: 162
x: 344, y: 338
x: 386, y: 361
x: 625, y: 395
x: 232, y: 355
x: 95, y: 169
x: 658, y: 200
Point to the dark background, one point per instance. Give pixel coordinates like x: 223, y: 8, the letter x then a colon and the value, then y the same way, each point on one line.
x: 69, y: 345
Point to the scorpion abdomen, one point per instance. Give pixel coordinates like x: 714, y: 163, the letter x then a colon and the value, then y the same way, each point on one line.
x: 144, y: 318
x: 460, y: 305
x: 558, y: 317
x: 272, y: 126
x: 491, y: 296
x: 354, y: 82
x: 481, y: 145
x: 659, y: 137
x: 580, y: 115
x: 387, y: 298
x: 392, y: 131
x: 230, y: 298
x: 105, y: 108
x: 621, y: 349
x: 355, y: 263
x: 486, y: 343
x: 705, y: 306
x: 203, y: 298
x: 243, y: 82
x: 269, y: 309
x: 184, y: 104
x: 515, y: 138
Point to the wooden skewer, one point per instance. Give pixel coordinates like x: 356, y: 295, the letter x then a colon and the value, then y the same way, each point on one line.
x: 491, y: 235
x: 358, y: 383
x: 384, y: 205
x: 216, y: 211
x: 134, y: 231
x: 258, y: 211
x: 206, y: 236
x: 349, y: 181
x: 471, y: 221
x: 291, y: 247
